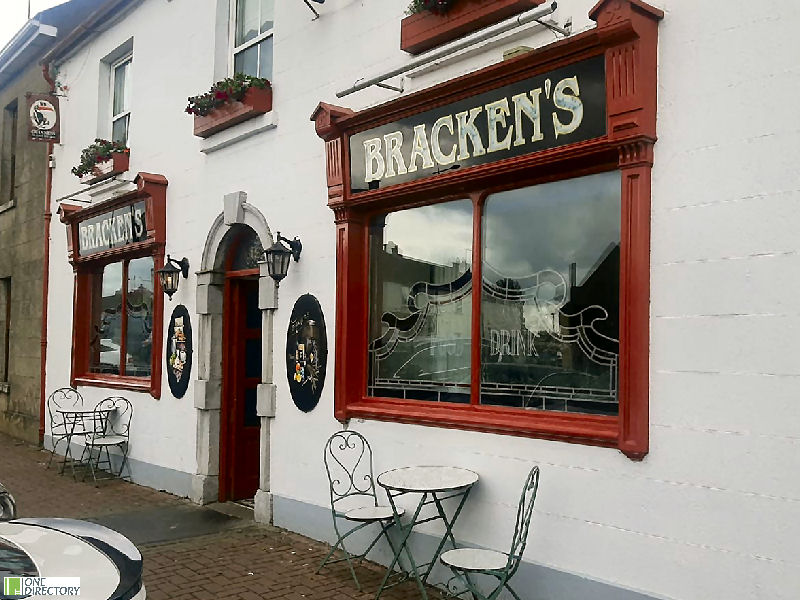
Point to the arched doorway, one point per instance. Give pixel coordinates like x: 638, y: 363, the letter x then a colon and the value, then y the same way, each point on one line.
x: 242, y: 366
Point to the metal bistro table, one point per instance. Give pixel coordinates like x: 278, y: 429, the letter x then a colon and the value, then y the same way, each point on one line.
x: 79, y: 421
x: 435, y: 484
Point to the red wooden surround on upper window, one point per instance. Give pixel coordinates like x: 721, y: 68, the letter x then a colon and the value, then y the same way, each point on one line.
x: 627, y: 36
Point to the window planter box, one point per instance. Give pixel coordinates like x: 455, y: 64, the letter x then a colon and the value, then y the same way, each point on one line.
x: 425, y: 30
x: 256, y: 101
x: 117, y: 164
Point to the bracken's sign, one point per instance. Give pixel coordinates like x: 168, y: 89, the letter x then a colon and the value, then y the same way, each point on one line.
x: 114, y: 229
x: 561, y: 107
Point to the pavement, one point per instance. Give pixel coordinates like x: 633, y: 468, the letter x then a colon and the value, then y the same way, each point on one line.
x: 190, y: 552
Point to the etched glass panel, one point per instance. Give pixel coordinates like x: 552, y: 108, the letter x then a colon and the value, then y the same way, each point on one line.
x: 139, y: 334
x: 106, y: 334
x: 550, y: 298
x: 420, y: 303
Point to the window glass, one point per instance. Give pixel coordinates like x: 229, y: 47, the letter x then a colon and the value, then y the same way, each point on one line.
x: 119, y: 129
x: 265, y: 58
x: 246, y: 61
x: 550, y: 298
x: 420, y: 303
x: 139, y: 314
x: 267, y: 14
x: 5, y: 325
x: 106, y: 333
x: 120, y: 88
x: 248, y: 252
x: 247, y: 21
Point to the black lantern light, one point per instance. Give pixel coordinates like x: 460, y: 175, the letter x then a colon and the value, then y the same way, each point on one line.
x: 277, y: 256
x: 169, y: 274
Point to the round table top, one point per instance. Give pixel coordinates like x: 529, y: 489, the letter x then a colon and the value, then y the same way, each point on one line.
x: 427, y: 479
x: 80, y: 410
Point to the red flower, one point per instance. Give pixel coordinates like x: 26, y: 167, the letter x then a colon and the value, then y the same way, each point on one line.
x: 220, y: 95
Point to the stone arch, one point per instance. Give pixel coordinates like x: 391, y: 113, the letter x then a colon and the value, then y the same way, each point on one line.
x: 208, y: 387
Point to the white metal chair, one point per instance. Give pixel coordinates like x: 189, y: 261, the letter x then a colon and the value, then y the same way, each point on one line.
x: 115, y: 414
x: 60, y: 430
x: 465, y: 562
x: 348, y: 462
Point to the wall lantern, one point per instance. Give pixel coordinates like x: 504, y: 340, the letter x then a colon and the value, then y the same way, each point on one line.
x: 169, y: 274
x: 277, y: 257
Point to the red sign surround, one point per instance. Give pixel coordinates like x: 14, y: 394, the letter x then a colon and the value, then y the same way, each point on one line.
x: 626, y: 36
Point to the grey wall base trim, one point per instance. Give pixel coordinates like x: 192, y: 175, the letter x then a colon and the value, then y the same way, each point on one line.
x: 143, y: 473
x: 532, y: 581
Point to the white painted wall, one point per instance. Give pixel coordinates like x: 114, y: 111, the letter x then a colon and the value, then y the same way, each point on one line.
x: 714, y: 509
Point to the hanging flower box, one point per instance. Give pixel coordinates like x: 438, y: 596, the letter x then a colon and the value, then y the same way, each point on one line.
x: 101, y: 160
x: 427, y: 29
x: 229, y: 102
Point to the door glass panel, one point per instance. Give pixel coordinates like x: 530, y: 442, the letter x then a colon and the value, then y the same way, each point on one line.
x: 248, y: 252
x: 550, y: 298
x: 252, y: 359
x: 250, y: 414
x: 139, y: 336
x: 106, y: 332
x: 420, y: 303
x: 252, y: 312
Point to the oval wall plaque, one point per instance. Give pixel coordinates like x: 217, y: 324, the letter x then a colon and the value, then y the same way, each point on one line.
x: 306, y: 352
x: 179, y: 351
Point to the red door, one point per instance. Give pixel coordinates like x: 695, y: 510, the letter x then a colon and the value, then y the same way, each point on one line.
x: 241, y: 363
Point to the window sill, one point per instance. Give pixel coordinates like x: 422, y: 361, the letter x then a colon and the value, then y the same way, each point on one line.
x: 594, y: 430
x: 5, y: 387
x: 8, y: 205
x: 117, y: 382
x: 239, y: 132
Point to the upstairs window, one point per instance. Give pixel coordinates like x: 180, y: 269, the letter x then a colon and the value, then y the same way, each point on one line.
x: 8, y: 160
x: 252, y: 37
x: 120, y: 99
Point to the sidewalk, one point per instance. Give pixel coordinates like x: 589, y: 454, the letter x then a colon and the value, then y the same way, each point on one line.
x: 229, y: 559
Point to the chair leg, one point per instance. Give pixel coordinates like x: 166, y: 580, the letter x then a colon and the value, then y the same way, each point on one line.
x: 513, y: 593
x: 124, y: 463
x: 55, y: 441
x: 347, y: 558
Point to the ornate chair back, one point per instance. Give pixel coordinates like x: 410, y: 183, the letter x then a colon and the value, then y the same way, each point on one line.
x: 523, y: 522
x: 348, y: 463
x: 8, y: 508
x: 65, y: 397
x: 117, y: 412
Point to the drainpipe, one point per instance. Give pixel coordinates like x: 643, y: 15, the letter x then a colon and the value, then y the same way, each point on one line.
x: 46, y: 279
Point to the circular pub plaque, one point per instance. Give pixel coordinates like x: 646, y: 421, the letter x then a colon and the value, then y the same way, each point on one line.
x: 179, y: 351
x: 306, y: 352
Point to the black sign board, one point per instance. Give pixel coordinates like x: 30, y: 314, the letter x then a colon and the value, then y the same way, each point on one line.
x: 114, y: 229
x: 561, y: 107
x: 43, y: 118
x: 306, y: 352
x: 179, y: 351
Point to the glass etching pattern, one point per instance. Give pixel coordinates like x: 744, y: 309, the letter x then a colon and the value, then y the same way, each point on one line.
x: 421, y: 302
x: 550, y: 300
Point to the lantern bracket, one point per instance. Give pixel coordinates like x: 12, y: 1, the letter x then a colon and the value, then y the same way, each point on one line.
x: 182, y: 264
x: 294, y: 245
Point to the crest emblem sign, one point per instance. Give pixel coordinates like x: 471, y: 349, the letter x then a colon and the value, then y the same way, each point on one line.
x: 43, y: 121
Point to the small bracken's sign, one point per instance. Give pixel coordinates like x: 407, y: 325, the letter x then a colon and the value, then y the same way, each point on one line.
x: 43, y: 121
x: 563, y: 106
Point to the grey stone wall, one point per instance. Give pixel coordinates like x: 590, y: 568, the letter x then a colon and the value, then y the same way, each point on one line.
x: 22, y: 260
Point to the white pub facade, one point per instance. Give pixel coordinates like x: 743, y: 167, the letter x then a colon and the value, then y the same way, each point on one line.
x: 575, y: 257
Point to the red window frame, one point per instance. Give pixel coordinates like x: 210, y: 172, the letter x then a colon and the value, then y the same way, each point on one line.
x: 626, y: 35
x: 151, y: 189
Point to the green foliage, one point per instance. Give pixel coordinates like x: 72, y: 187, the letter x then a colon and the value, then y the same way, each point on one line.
x: 99, y: 151
x: 227, y: 90
x: 437, y: 7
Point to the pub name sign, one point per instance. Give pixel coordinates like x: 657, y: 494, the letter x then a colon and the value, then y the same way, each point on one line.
x: 561, y: 107
x: 114, y: 229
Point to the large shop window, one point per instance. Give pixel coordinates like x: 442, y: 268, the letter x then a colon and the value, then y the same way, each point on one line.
x: 548, y: 304
x: 121, y: 334
x: 116, y: 248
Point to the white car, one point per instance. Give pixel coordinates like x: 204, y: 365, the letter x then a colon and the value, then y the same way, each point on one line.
x: 108, y: 564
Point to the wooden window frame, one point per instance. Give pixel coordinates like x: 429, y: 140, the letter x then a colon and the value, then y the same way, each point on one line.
x: 627, y: 36
x: 126, y: 92
x: 151, y: 189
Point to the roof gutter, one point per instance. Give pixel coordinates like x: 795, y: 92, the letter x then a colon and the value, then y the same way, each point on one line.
x: 23, y: 40
x: 89, y: 26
